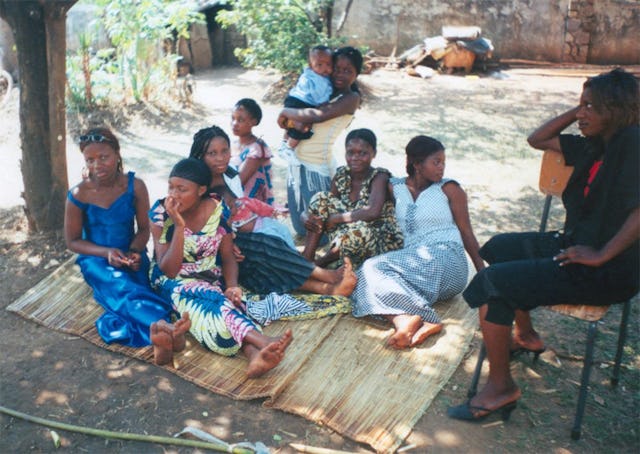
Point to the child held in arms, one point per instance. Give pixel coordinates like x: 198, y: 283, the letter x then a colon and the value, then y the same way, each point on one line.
x: 312, y: 89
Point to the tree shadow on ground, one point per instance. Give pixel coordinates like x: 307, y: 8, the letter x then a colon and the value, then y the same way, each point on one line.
x: 491, y: 214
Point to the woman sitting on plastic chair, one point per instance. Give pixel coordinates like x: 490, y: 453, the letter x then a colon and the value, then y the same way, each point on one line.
x: 594, y: 261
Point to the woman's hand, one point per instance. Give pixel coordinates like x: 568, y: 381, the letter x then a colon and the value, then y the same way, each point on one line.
x: 135, y: 259
x: 312, y: 223
x: 299, y: 126
x: 283, y: 121
x: 234, y: 294
x: 280, y: 212
x: 584, y: 255
x: 237, y: 253
x: 117, y: 258
x: 331, y: 222
x: 172, y: 206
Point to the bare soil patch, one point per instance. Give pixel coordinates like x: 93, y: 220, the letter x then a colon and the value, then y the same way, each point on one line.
x: 483, y: 122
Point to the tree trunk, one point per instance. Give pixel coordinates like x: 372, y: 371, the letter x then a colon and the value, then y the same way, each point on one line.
x: 40, y: 36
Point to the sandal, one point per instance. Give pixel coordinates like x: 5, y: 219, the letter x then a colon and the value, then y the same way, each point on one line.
x: 464, y: 412
x: 524, y: 350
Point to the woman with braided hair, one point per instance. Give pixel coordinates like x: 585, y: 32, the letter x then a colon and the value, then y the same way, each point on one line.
x: 267, y: 263
x: 212, y: 145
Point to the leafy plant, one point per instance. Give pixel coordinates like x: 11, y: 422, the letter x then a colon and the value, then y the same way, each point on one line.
x: 92, y: 77
x: 137, y: 30
x: 85, y: 42
x: 136, y: 67
x: 279, y: 32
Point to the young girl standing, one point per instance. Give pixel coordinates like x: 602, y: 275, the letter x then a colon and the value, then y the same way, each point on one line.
x: 106, y: 224
x: 249, y: 154
x: 189, y: 232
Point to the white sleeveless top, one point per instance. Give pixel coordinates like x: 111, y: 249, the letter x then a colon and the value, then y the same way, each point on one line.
x: 318, y: 150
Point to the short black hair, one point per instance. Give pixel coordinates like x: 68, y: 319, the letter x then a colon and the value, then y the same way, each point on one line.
x: 352, y: 54
x: 420, y: 148
x: 320, y: 48
x: 251, y: 106
x: 192, y: 169
x: 363, y: 134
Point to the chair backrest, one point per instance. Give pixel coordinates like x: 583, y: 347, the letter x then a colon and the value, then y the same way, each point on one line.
x: 554, y: 174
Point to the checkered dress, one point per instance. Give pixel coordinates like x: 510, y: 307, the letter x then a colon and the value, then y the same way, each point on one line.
x: 432, y: 265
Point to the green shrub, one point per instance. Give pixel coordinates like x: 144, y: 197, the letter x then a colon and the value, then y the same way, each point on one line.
x: 279, y: 32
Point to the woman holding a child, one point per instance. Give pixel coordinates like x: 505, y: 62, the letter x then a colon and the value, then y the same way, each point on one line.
x: 311, y: 166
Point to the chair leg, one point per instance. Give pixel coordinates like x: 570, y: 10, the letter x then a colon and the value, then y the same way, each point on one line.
x: 584, y: 382
x: 473, y: 389
x: 545, y: 213
x: 622, y: 337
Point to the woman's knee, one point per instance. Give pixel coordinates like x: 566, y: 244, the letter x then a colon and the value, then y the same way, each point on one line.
x: 505, y: 247
x: 491, y: 249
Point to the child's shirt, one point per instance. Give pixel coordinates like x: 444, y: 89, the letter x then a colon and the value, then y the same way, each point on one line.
x: 312, y: 88
x: 259, y: 185
x: 253, y: 215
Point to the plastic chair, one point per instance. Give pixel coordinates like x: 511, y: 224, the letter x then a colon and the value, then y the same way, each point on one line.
x: 554, y: 175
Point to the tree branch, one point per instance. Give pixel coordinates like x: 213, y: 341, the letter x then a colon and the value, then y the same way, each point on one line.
x: 343, y: 18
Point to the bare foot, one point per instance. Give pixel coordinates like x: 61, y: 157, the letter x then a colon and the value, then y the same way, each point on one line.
x: 329, y: 257
x: 269, y: 356
x: 406, y: 327
x: 348, y: 282
x: 285, y: 340
x: 427, y: 329
x: 180, y: 328
x: 337, y: 274
x: 162, y: 340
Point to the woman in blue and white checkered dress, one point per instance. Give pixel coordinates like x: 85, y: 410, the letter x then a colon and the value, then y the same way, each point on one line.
x: 402, y: 285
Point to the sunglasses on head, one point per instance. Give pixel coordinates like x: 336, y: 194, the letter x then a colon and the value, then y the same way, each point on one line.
x: 94, y: 138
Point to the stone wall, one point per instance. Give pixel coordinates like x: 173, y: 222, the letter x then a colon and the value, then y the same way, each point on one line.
x: 615, y: 38
x: 601, y: 32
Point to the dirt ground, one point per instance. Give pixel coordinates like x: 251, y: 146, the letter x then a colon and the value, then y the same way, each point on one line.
x: 483, y: 122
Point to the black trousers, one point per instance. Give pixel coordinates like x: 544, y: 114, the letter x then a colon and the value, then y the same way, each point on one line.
x: 290, y: 101
x: 523, y: 275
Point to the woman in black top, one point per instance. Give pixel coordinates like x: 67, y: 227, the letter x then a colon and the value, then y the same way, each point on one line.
x: 594, y: 260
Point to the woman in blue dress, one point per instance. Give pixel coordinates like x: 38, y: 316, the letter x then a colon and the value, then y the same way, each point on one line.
x: 402, y: 285
x: 106, y: 223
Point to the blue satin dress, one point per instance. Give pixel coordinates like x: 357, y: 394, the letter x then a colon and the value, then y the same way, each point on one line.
x: 126, y: 296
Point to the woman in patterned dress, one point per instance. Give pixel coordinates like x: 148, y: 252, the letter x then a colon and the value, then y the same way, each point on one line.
x: 189, y: 231
x: 357, y: 214
x: 402, y: 285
